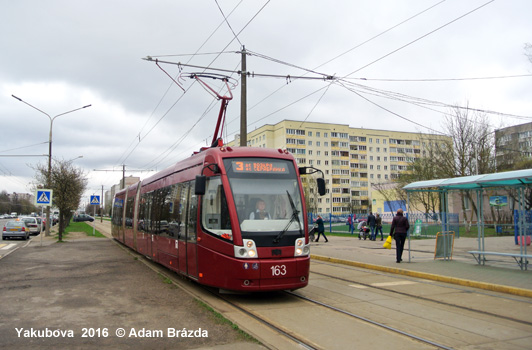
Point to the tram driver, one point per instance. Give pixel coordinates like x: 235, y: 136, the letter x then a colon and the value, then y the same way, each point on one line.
x: 260, y: 212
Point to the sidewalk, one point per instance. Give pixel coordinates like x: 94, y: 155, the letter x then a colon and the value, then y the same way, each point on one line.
x: 500, y: 274
x: 81, y: 294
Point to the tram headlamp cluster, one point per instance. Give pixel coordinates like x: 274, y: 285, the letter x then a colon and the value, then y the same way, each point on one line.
x: 301, y: 249
x: 248, y: 251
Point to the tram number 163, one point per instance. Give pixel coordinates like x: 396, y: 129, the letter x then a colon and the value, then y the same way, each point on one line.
x: 278, y: 270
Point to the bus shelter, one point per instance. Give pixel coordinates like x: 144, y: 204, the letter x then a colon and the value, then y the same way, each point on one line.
x: 518, y: 180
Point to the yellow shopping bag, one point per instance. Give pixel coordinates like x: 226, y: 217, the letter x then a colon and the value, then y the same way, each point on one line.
x: 388, y: 243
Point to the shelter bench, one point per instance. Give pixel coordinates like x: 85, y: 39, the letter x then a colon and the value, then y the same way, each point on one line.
x: 520, y: 259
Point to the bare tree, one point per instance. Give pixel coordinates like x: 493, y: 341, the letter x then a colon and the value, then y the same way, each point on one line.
x: 528, y: 51
x: 468, y: 151
x: 427, y: 167
x: 68, y: 183
x: 473, y: 150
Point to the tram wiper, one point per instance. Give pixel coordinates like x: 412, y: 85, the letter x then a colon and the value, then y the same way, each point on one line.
x: 295, y: 216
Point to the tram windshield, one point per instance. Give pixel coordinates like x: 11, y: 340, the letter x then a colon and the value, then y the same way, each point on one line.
x: 267, y: 196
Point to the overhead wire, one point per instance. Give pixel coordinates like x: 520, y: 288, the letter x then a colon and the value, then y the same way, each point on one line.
x: 223, y: 50
x: 226, y: 21
x: 336, y: 57
x: 14, y: 149
x: 380, y: 34
x: 170, y: 86
x: 419, y: 38
x: 443, y: 79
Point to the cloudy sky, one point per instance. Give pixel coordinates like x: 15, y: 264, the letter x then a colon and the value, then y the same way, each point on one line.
x: 398, y: 64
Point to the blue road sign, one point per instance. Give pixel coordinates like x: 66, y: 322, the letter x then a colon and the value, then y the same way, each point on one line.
x: 95, y: 200
x: 43, y: 197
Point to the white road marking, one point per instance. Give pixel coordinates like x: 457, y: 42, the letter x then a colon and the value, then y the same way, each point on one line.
x: 391, y: 284
x: 9, y: 246
x: 383, y: 284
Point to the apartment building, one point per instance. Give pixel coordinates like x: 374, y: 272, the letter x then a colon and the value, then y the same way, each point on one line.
x: 352, y: 159
x: 512, y: 141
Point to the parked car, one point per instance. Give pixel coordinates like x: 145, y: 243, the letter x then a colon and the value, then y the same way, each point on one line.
x: 33, y: 224
x: 83, y: 217
x: 15, y: 228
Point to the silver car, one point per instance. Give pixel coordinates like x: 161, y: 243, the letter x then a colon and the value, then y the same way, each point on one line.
x: 15, y: 228
x: 33, y: 224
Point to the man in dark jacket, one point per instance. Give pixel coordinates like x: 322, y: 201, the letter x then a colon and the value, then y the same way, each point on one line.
x: 398, y: 231
x: 371, y: 224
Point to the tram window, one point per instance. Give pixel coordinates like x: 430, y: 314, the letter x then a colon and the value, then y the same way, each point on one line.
x: 174, y: 211
x: 129, y: 211
x: 192, y: 215
x: 143, y: 224
x: 118, y: 211
x: 180, y: 216
x: 215, y: 212
x: 281, y: 199
x: 159, y: 211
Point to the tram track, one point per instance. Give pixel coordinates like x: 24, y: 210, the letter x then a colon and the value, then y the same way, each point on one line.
x: 301, y: 340
x: 367, y: 320
x: 438, y: 302
x: 290, y: 320
x: 306, y: 344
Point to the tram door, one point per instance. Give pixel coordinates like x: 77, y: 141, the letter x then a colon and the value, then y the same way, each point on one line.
x: 187, y: 248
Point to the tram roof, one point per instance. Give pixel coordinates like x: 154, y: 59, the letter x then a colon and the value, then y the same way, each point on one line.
x: 504, y: 179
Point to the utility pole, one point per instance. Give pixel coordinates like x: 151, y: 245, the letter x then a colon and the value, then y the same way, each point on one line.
x: 243, y: 101
x: 101, y: 211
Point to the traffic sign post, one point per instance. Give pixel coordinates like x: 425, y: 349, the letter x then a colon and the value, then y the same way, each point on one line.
x: 43, y: 198
x: 95, y: 200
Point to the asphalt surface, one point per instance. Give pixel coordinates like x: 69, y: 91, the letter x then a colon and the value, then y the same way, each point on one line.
x: 90, y: 293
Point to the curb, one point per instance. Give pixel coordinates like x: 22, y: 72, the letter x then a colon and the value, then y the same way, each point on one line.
x: 429, y: 276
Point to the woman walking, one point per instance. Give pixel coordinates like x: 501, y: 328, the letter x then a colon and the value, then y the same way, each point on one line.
x: 399, y: 231
x: 321, y: 229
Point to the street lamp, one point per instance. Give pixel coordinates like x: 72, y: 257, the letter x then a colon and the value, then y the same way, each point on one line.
x: 49, y: 151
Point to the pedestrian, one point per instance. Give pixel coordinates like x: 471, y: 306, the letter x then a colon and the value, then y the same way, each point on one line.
x: 371, y: 224
x: 399, y: 232
x: 350, y: 223
x: 321, y: 229
x: 378, y: 225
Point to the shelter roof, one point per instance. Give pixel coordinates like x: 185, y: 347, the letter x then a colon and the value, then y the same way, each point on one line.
x: 504, y: 179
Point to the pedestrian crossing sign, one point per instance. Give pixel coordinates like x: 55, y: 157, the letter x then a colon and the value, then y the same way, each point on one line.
x: 95, y: 200
x: 43, y: 197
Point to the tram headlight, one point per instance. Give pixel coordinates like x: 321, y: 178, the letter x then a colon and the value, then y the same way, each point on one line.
x: 248, y: 251
x: 301, y: 249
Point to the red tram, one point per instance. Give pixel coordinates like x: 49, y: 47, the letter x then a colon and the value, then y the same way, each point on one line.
x: 231, y: 218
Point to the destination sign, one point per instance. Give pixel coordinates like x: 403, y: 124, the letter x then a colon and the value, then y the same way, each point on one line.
x: 259, y: 166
